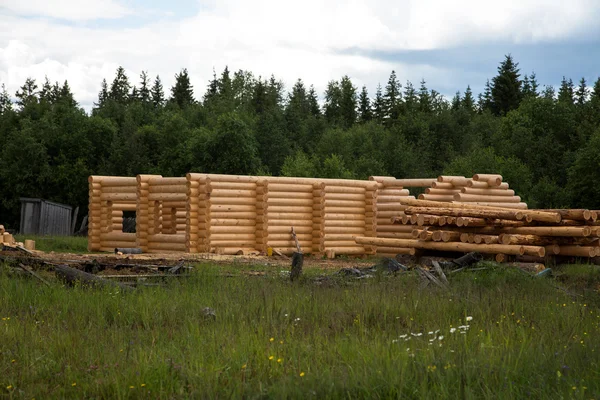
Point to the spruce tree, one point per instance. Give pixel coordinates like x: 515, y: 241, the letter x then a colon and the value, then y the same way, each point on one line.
x: 468, y: 102
x: 348, y: 102
x: 66, y: 96
x: 46, y: 92
x: 182, y: 92
x: 582, y: 92
x: 456, y: 101
x: 424, y: 98
x: 506, y: 87
x: 5, y: 102
x: 378, y: 105
x: 331, y: 108
x: 102, y: 95
x: 120, y: 87
x: 28, y: 93
x: 298, y: 102
x: 157, y: 93
x: 549, y: 93
x: 534, y: 84
x: 486, y: 103
x: 144, y: 92
x: 566, y: 92
x: 212, y: 91
x: 313, y: 102
x: 364, y: 105
x: 410, y: 97
x: 392, y: 98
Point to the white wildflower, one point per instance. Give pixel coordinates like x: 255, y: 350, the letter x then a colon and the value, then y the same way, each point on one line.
x: 440, y: 337
x: 395, y: 341
x: 469, y: 318
x: 452, y: 330
x: 402, y: 336
x: 430, y: 333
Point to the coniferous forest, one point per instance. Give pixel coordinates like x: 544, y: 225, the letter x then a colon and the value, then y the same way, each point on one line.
x: 545, y: 141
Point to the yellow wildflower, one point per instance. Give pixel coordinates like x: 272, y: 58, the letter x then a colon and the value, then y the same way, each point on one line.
x: 143, y: 385
x: 279, y: 360
x: 74, y: 384
x: 271, y: 357
x: 131, y: 387
x: 281, y: 342
x: 301, y: 373
x: 272, y: 339
x: 244, y: 366
x: 9, y: 387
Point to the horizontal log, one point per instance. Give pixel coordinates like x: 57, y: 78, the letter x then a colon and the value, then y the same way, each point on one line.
x: 118, y: 197
x: 444, y: 185
x: 112, y: 244
x: 395, y: 228
x: 232, y: 193
x: 541, y: 216
x: 292, y: 195
x: 435, y: 197
x: 579, y: 251
x: 343, y: 223
x: 233, y: 229
x: 410, y: 182
x: 345, y: 210
x: 514, y: 206
x: 287, y: 229
x: 454, y: 246
x: 345, y: 203
x: 464, y: 197
x: 488, y: 192
x: 490, y: 179
x: 175, y: 197
x: 166, y: 238
x: 290, y: 202
x: 232, y: 215
x: 249, y: 201
x: 170, y: 181
x: 574, y: 214
x: 395, y: 250
x: 574, y: 231
x: 232, y: 243
x: 455, y: 180
x: 287, y: 188
x: 442, y: 192
x: 464, y: 212
x: 168, y: 189
x: 294, y: 209
x: 112, y: 180
x: 356, y: 250
x: 345, y: 229
x: 216, y: 208
x: 485, y: 185
x: 162, y: 246
x: 118, y: 237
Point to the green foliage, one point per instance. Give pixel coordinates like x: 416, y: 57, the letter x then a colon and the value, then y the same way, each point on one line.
x: 544, y: 142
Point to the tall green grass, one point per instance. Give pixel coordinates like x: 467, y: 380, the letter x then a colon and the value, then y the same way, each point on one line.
x: 58, y: 244
x: 271, y: 338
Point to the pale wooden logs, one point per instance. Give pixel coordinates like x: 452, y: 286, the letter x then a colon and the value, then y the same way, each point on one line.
x: 455, y: 246
x: 443, y: 192
x: 464, y: 197
x: 464, y: 212
x: 435, y: 197
x: 578, y: 251
x: 514, y: 206
x: 261, y: 228
x: 488, y: 192
x: 403, y: 182
x: 575, y: 214
x: 574, y: 231
x: 94, y: 214
x: 454, y: 180
x: 490, y: 179
x: 484, y: 185
x: 541, y: 216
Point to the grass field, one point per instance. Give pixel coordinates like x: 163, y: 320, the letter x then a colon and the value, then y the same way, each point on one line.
x: 59, y: 244
x: 496, y: 334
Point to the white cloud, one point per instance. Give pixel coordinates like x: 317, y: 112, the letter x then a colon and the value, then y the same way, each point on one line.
x: 74, y: 10
x: 291, y: 39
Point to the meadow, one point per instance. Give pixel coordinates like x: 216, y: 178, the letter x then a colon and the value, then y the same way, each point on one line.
x: 497, y: 333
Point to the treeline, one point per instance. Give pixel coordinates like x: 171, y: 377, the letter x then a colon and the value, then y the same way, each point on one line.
x: 546, y: 143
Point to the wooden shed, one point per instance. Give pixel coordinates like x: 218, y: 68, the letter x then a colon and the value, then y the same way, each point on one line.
x: 43, y: 217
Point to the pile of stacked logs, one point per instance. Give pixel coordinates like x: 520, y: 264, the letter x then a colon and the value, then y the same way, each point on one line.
x: 502, y: 231
x: 481, y: 189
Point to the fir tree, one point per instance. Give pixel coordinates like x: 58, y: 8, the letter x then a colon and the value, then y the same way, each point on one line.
x: 424, y: 98
x: 549, y: 93
x: 331, y: 108
x: 506, y: 87
x: 313, y: 102
x: 298, y: 102
x: 534, y: 84
x: 348, y: 102
x: 157, y: 93
x: 378, y: 105
x: 581, y: 95
x: 566, y: 92
x: 46, y: 94
x: 66, y: 96
x: 102, y: 95
x: 468, y: 102
x: 364, y: 105
x: 212, y: 91
x: 486, y: 103
x: 144, y: 92
x: 5, y: 102
x: 392, y: 97
x: 28, y: 93
x: 456, y: 101
x: 182, y: 92
x: 410, y: 97
x: 120, y: 88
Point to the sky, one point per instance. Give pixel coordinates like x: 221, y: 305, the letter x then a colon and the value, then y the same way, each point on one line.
x: 449, y: 44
